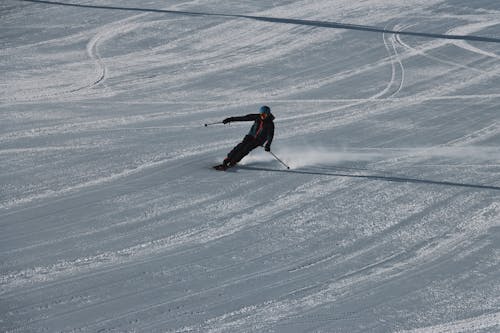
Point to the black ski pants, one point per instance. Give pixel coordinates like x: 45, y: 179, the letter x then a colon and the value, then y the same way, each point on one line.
x: 242, y: 149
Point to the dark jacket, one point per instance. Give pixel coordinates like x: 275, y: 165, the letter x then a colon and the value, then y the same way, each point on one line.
x: 262, y: 130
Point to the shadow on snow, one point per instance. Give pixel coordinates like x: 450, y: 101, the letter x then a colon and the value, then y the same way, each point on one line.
x: 321, y: 24
x: 375, y: 177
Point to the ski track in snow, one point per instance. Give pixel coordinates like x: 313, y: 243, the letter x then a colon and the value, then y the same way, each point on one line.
x: 391, y: 49
x: 112, y: 220
x: 488, y: 322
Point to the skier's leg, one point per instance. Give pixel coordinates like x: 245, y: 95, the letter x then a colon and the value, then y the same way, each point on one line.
x: 233, y: 153
x: 238, y: 152
x: 245, y: 149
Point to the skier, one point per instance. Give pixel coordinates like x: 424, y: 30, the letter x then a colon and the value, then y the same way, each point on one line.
x: 262, y: 131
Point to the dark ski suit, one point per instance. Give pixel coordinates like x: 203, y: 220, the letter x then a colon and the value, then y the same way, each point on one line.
x: 262, y: 131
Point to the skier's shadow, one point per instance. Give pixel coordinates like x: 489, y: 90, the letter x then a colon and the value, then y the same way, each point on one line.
x: 334, y: 172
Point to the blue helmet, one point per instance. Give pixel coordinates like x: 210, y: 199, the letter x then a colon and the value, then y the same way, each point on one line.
x: 265, y: 109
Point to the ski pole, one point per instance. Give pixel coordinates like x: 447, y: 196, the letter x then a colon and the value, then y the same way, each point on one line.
x: 277, y: 158
x: 209, y: 124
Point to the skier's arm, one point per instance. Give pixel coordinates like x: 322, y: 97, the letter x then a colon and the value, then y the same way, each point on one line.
x: 248, y: 117
x: 270, y: 137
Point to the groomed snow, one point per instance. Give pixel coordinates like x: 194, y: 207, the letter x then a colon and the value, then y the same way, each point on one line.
x: 112, y: 220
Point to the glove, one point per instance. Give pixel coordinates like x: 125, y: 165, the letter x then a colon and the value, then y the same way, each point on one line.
x: 267, y: 148
x: 227, y: 120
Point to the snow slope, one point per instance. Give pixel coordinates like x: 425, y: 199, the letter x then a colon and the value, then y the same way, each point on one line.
x: 111, y: 219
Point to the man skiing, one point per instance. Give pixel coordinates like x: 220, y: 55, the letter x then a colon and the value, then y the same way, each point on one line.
x: 262, y: 131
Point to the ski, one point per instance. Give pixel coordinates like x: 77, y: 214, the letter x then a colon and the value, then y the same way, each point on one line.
x: 220, y: 167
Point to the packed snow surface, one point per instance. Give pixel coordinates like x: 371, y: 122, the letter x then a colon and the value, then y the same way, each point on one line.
x: 112, y: 219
